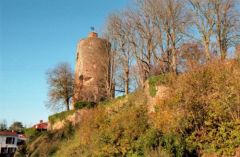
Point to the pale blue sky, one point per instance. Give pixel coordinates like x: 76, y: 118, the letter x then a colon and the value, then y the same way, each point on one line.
x: 35, y: 35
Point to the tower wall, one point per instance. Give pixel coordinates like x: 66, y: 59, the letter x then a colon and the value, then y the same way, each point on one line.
x: 92, y: 69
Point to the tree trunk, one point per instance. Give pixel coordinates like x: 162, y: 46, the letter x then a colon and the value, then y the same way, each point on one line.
x: 207, y: 51
x: 174, y: 60
x: 174, y: 53
x: 126, y: 82
x: 67, y: 104
x: 223, y: 51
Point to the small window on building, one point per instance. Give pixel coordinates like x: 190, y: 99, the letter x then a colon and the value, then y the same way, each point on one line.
x: 3, y: 150
x: 10, y: 140
x: 11, y: 150
x: 81, y: 77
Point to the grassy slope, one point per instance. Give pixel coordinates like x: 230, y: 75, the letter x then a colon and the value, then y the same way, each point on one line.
x: 200, y: 116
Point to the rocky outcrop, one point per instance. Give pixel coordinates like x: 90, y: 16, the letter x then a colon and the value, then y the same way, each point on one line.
x: 161, y: 94
x: 74, y: 119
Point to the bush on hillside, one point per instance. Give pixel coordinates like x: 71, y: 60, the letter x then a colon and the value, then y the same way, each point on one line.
x: 201, y: 115
x: 60, y: 116
x: 221, y: 139
x: 202, y: 106
x: 84, y: 104
x: 46, y: 143
x: 31, y: 133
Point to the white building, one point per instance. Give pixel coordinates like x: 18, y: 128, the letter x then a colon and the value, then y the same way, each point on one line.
x: 8, y: 143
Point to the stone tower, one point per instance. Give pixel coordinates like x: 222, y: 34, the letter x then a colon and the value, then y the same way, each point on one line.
x: 92, y: 69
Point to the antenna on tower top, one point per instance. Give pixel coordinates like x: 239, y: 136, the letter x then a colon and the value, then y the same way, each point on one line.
x: 92, y: 29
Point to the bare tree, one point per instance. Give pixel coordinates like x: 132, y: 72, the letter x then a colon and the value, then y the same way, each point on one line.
x: 154, y: 32
x: 217, y: 21
x: 17, y: 126
x: 3, y: 125
x: 201, y: 12
x: 117, y: 31
x: 161, y: 52
x: 149, y: 35
x: 227, y: 25
x: 141, y: 41
x: 60, y: 81
x: 168, y: 24
x: 110, y: 70
x: 191, y: 56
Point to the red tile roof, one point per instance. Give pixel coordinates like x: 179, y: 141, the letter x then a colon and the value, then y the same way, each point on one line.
x: 41, y: 125
x: 8, y: 133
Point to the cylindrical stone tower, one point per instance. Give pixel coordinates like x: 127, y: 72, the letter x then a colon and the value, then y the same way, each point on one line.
x: 92, y: 69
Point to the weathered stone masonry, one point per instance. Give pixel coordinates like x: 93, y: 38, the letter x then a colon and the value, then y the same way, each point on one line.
x: 92, y: 69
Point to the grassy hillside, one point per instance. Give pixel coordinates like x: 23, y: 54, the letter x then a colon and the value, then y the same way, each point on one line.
x: 200, y: 116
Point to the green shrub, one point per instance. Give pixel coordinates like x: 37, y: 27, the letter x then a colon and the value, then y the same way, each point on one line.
x: 173, y: 144
x: 65, y: 133
x: 53, y: 150
x: 120, y: 97
x: 84, y: 104
x: 60, y: 116
x: 221, y: 139
x: 150, y: 140
x: 68, y: 131
x: 32, y: 133
x: 153, y: 81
